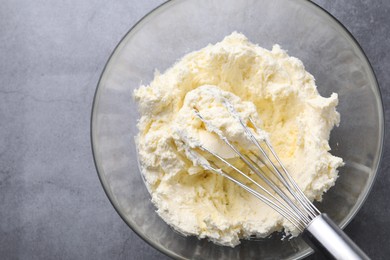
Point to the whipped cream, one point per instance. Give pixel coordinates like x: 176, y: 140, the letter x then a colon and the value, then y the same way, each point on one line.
x: 273, y: 89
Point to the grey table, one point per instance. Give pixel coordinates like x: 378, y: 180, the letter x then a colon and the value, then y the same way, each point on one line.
x: 52, y: 205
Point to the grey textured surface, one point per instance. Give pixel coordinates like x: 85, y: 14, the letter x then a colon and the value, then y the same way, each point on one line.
x: 52, y: 205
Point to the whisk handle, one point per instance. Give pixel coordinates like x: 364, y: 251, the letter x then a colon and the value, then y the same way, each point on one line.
x: 325, y: 236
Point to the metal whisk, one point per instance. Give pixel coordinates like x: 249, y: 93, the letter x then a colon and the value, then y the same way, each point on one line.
x: 279, y: 190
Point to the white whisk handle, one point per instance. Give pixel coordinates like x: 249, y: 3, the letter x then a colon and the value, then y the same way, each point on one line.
x: 324, y: 235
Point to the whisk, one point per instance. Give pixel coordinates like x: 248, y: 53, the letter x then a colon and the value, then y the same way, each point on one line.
x: 278, y: 189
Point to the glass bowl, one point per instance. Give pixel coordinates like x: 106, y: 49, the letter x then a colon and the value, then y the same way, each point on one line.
x: 175, y: 28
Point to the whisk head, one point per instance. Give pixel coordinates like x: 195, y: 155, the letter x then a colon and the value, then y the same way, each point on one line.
x: 277, y: 188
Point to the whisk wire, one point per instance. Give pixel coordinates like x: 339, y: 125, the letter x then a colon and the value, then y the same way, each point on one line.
x: 305, y: 201
x: 292, y: 207
x: 303, y: 211
x: 307, y: 207
x: 302, y: 197
x: 275, y: 187
x: 285, y: 178
x: 277, y: 203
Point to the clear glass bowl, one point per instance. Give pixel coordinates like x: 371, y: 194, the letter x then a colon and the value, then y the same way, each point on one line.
x: 175, y: 28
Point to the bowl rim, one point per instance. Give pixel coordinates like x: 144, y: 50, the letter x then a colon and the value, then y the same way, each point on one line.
x: 304, y: 253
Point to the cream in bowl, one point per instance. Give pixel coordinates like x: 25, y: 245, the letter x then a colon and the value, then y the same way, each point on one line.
x: 270, y: 86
